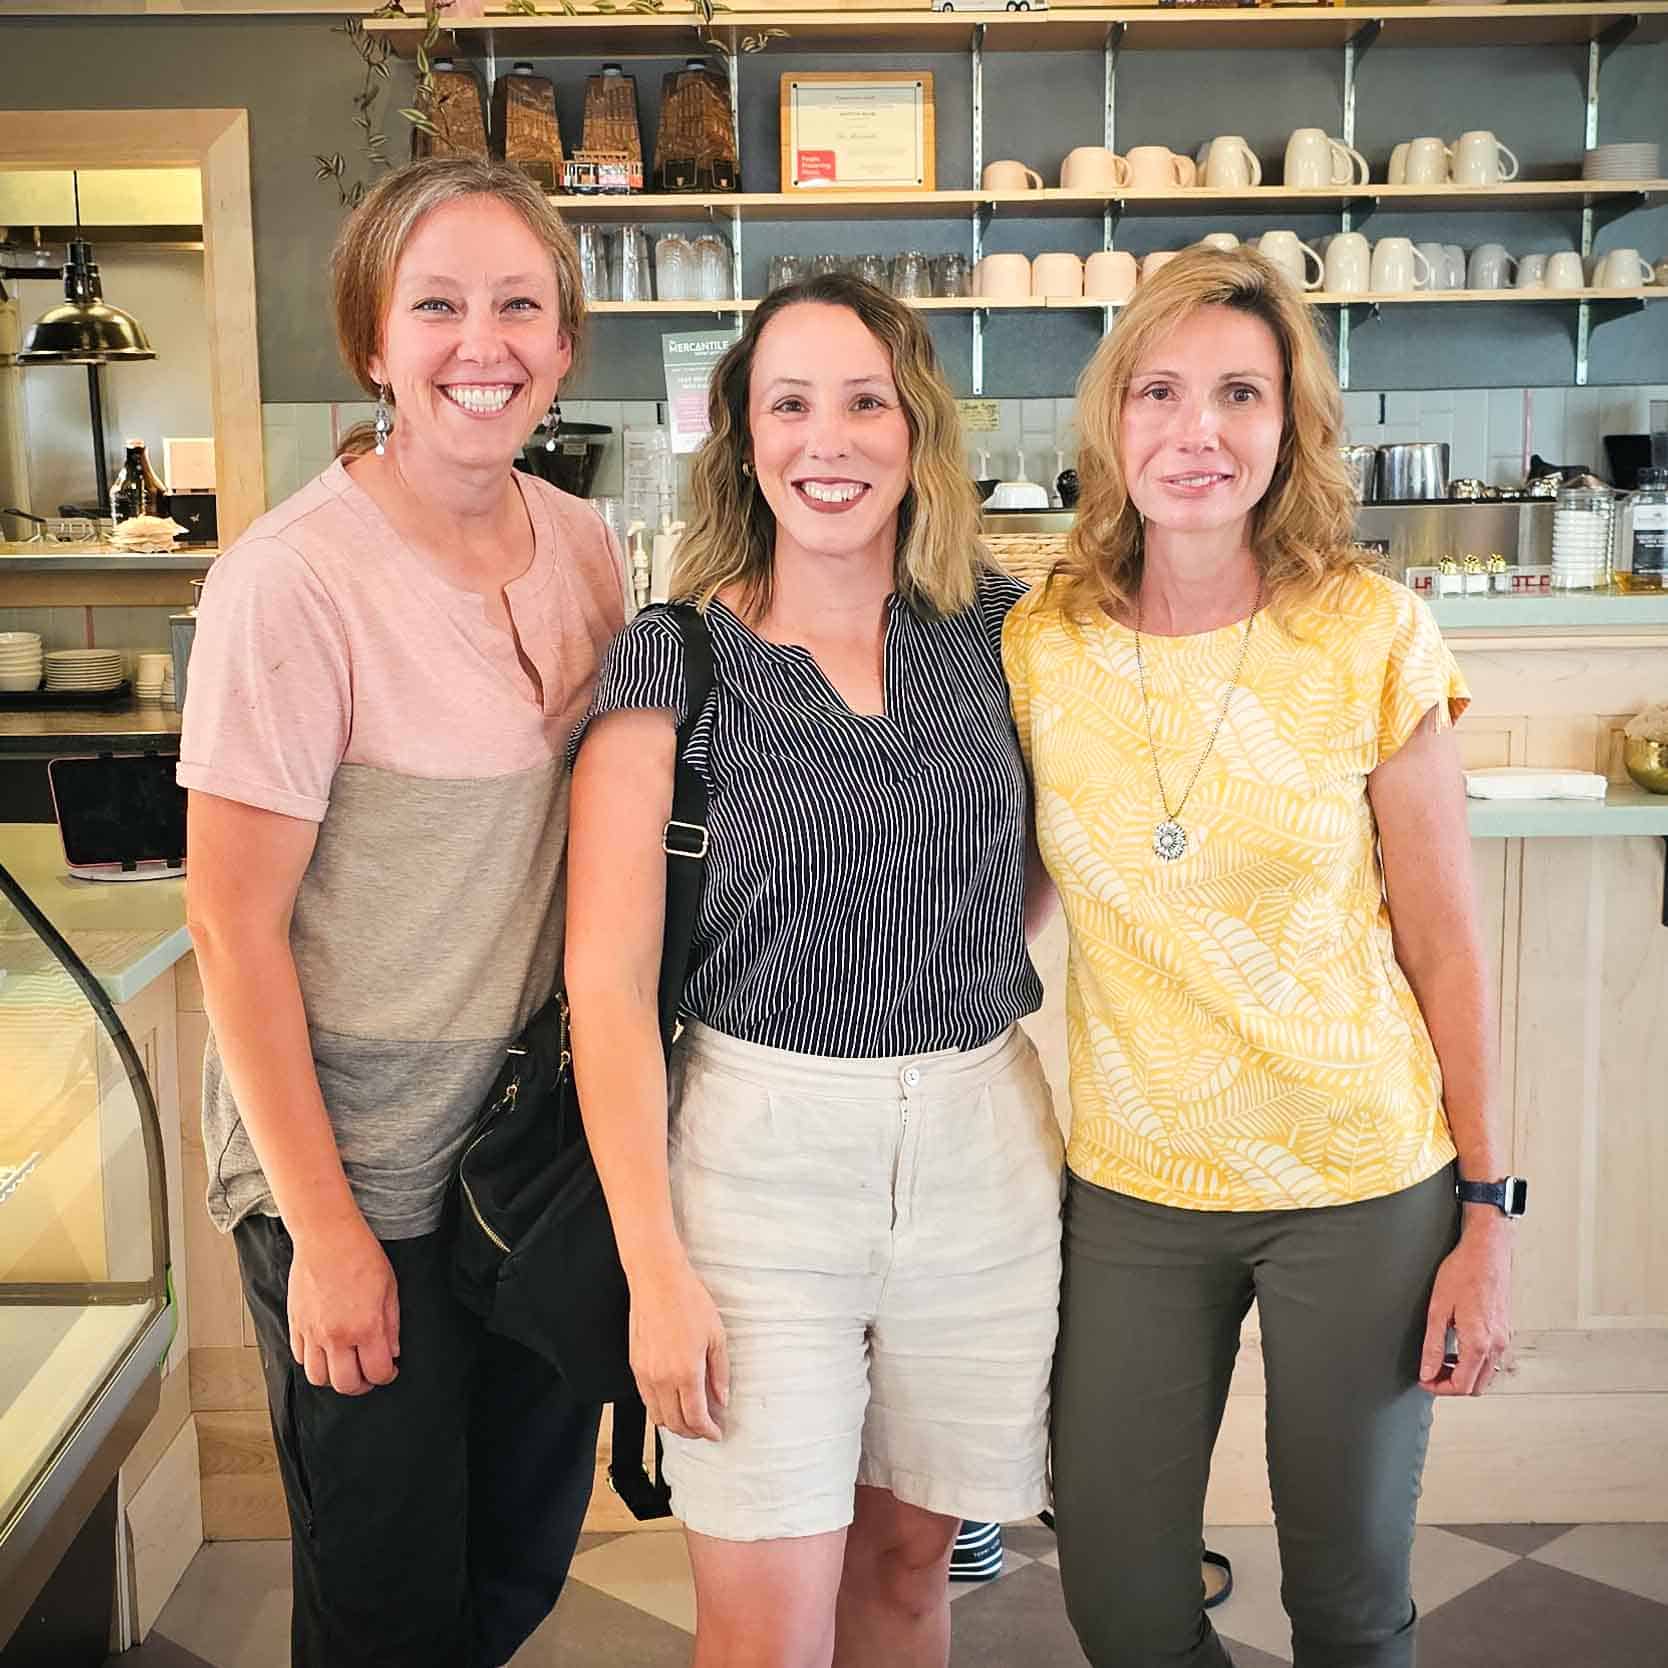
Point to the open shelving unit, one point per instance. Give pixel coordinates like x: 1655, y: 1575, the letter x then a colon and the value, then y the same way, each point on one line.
x: 1594, y: 31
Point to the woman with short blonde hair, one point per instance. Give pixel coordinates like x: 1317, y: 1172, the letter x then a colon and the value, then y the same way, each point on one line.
x: 842, y: 1240
x: 1249, y: 799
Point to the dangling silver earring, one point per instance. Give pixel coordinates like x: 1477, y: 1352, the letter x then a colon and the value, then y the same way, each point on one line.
x: 384, y: 422
x: 552, y: 422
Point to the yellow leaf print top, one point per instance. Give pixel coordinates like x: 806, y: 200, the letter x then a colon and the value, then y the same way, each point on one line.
x: 1241, y: 1036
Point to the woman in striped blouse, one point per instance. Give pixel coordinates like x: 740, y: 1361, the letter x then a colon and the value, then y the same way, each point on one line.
x: 843, y: 1239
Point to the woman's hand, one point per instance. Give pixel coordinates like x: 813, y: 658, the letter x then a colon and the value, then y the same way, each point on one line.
x: 344, y: 1310
x: 678, y: 1353
x: 1473, y: 1294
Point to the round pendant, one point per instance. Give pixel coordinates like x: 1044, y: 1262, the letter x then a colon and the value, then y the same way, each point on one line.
x: 1169, y: 840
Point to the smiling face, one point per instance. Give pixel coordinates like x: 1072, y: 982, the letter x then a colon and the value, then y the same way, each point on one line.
x: 472, y: 344
x: 829, y: 439
x: 1201, y: 422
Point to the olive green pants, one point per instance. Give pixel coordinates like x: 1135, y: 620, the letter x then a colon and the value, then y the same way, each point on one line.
x: 1151, y: 1306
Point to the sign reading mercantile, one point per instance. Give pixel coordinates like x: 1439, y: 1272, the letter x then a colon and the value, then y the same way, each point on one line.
x: 689, y: 362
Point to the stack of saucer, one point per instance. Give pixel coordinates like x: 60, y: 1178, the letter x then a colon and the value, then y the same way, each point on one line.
x: 83, y: 671
x: 20, y: 662
x: 153, y: 676
x: 1622, y: 162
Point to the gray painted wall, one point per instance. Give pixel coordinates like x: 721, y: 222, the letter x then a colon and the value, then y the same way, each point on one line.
x: 296, y: 78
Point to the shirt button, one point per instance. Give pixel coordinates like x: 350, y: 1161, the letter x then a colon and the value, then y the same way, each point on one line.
x: 911, y: 1077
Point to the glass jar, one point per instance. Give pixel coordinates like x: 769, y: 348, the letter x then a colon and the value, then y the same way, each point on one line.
x: 1583, y: 526
x: 1647, y: 534
x: 136, y: 490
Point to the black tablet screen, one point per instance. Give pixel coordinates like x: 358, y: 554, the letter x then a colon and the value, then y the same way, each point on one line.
x: 125, y: 809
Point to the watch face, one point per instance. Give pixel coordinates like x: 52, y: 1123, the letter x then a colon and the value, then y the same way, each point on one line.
x: 1517, y: 1196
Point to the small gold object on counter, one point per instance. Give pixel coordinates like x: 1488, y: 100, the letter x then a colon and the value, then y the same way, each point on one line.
x: 1647, y: 763
x: 1645, y: 748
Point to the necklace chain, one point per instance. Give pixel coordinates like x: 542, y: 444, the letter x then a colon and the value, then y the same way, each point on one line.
x: 1170, y: 816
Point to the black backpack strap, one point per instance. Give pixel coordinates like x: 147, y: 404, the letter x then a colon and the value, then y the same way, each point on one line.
x: 685, y: 837
x: 685, y: 840
x: 646, y: 1498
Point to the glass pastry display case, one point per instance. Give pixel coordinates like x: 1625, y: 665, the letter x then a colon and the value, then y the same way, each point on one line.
x: 85, y: 1313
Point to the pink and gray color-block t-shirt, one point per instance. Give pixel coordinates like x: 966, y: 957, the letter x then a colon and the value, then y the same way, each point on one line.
x: 336, y: 677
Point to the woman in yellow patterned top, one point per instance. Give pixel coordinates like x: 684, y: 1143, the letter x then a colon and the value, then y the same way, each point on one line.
x: 1250, y: 801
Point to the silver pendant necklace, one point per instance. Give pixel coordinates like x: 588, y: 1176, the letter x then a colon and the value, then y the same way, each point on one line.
x: 1170, y: 836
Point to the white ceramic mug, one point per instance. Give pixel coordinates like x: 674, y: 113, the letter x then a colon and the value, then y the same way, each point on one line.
x: 1292, y: 255
x: 1396, y: 174
x: 1315, y: 160
x: 1110, y: 275
x: 1057, y: 273
x: 1491, y: 266
x: 1003, y: 277
x: 1427, y: 162
x: 1531, y: 272
x: 1225, y: 241
x: 1564, y: 271
x: 1453, y: 274
x: 1398, y: 266
x: 1231, y: 164
x: 1480, y: 159
x: 1349, y: 259
x: 1011, y: 176
x: 1094, y: 168
x: 1158, y: 168
x: 1625, y: 269
x: 1441, y: 268
x: 1151, y: 263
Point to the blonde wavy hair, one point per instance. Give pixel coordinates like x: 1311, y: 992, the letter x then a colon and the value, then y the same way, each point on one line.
x: 731, y: 536
x: 1302, y: 528
x: 374, y: 236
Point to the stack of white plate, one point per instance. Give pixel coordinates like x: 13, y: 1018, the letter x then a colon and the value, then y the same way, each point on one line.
x: 83, y: 671
x: 1622, y: 162
x: 20, y: 662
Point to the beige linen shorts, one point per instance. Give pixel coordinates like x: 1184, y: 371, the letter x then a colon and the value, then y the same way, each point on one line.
x: 882, y: 1240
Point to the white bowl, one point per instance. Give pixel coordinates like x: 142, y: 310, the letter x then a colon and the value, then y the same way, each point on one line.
x: 12, y: 639
x: 19, y: 683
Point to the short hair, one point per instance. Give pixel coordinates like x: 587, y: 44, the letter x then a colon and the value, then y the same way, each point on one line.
x: 1301, y: 530
x: 731, y: 537
x: 373, y: 238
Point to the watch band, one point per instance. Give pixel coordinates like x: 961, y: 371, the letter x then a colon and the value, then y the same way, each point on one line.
x: 1510, y: 1196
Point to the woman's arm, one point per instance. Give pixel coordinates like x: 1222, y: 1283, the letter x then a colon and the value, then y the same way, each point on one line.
x: 246, y: 866
x: 1418, y: 798
x: 622, y: 796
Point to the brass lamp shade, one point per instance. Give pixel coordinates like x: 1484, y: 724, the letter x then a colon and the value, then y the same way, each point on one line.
x: 84, y: 329
x: 84, y: 333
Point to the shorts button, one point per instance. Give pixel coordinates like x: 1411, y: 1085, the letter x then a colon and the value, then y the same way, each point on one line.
x: 911, y: 1076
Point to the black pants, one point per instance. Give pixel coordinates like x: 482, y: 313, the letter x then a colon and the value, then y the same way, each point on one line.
x: 433, y: 1519
x: 1151, y: 1307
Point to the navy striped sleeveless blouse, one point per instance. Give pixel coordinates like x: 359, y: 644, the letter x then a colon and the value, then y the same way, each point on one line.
x: 865, y: 880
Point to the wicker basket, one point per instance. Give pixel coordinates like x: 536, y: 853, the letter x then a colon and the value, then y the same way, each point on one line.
x: 1029, y: 557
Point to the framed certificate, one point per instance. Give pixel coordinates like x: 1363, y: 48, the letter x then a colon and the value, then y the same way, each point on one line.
x: 870, y: 132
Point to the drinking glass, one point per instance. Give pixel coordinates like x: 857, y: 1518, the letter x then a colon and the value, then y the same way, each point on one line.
x: 675, y: 271
x: 952, y: 276
x: 785, y: 269
x: 872, y: 269
x: 593, y: 263
x: 823, y: 266
x: 631, y: 280
x: 712, y: 263
x: 911, y: 276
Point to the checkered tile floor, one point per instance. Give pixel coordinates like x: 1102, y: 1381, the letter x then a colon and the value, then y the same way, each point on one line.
x: 1492, y: 1596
